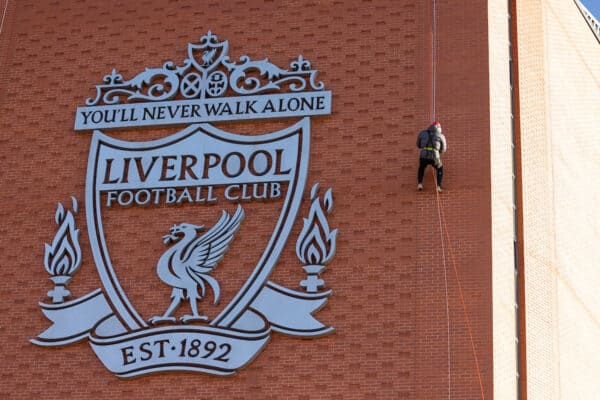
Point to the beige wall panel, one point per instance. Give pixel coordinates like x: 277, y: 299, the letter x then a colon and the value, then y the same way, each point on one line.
x: 501, y: 169
x: 573, y: 57
x: 538, y: 205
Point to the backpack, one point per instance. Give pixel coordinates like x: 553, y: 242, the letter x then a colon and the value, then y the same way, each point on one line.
x: 430, y: 151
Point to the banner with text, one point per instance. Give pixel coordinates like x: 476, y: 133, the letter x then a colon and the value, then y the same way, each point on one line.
x: 284, y: 105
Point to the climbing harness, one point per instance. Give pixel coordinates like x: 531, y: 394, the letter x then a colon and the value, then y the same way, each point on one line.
x: 429, y: 145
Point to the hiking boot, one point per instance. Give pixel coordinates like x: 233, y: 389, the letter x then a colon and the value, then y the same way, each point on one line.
x: 439, y: 189
x: 420, y: 186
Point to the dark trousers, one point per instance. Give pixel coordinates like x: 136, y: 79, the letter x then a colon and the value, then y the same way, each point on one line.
x: 423, y: 163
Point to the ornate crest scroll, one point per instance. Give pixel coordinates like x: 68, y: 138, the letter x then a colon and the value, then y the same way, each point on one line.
x: 206, y: 87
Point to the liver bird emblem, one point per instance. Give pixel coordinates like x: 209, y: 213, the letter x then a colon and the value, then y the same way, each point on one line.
x: 187, y: 265
x: 207, y: 57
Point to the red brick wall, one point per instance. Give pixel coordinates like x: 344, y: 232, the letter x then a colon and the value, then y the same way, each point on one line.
x: 388, y: 306
x: 462, y: 106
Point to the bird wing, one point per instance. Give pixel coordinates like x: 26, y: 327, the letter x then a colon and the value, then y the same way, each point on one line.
x: 206, y: 251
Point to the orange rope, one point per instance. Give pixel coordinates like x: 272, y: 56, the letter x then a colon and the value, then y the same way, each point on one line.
x: 433, y: 89
x: 448, y: 352
x: 442, y: 221
x: 460, y: 290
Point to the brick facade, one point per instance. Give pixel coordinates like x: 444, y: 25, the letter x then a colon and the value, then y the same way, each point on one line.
x: 388, y: 277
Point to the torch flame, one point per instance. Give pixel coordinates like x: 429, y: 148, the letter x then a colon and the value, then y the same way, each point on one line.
x: 63, y: 257
x: 316, y: 242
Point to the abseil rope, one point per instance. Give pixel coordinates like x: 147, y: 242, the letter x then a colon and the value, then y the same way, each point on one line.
x: 433, y: 89
x: 446, y: 288
x: 442, y: 221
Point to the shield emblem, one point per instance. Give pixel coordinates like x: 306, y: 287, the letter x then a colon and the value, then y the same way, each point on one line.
x: 224, y: 205
x: 208, y: 54
x: 201, y: 168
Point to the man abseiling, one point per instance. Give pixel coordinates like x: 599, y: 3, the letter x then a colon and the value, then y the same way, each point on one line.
x: 431, y: 143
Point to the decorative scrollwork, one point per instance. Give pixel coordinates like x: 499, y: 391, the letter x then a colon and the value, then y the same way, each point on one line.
x: 300, y: 65
x: 209, y: 74
x: 155, y: 84
x: 242, y: 81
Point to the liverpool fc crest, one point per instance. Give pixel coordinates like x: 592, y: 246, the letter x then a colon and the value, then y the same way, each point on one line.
x: 207, y: 302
